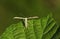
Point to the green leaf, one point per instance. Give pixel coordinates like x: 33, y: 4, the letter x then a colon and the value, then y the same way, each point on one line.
x: 57, y: 34
x: 41, y: 28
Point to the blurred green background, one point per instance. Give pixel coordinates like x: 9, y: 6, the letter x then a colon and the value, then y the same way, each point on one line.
x: 26, y: 8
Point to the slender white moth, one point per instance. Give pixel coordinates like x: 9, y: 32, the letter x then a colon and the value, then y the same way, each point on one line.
x: 26, y: 19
